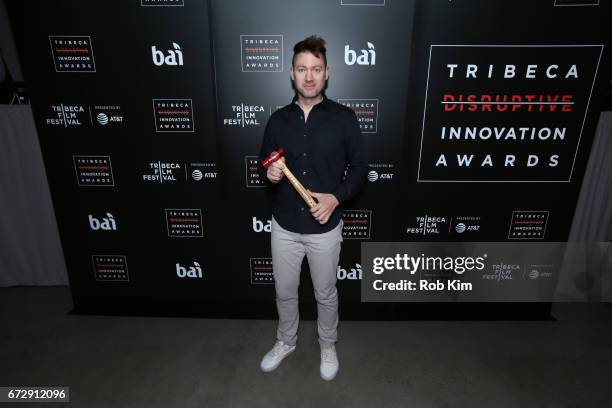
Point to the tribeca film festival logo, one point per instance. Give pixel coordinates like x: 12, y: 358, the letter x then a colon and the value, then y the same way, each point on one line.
x: 261, y: 271
x: 107, y: 223
x: 162, y: 3
x: 380, y: 172
x: 474, y: 91
x: 528, y: 225
x: 363, y: 57
x: 244, y: 115
x: 366, y: 111
x: 173, y: 115
x: 173, y: 172
x: 464, y: 224
x: 193, y: 271
x: 69, y: 115
x: 110, y: 267
x: 427, y: 225
x: 74, y: 115
x: 72, y: 53
x: 253, y: 178
x: 185, y: 222
x: 172, y: 56
x: 93, y: 170
x: 500, y: 272
x: 262, y: 53
x: 357, y: 224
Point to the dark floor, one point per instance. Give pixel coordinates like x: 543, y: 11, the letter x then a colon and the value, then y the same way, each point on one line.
x: 188, y: 362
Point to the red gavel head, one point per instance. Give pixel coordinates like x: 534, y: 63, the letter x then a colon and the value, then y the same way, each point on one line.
x: 274, y: 156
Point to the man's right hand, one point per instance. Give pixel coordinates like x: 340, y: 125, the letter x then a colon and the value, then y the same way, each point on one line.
x: 275, y: 172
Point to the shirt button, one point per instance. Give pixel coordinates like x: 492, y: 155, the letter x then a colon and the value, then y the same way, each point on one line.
x: 303, y: 173
x: 302, y: 208
x: 305, y: 135
x: 304, y: 154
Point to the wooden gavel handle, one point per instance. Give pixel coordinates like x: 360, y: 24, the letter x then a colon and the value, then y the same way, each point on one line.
x: 298, y: 186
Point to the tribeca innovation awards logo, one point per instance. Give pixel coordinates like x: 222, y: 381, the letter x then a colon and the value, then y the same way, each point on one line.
x: 72, y: 53
x: 366, y: 111
x: 262, y: 53
x: 173, y: 115
x: 253, y: 178
x: 184, y: 222
x: 505, y: 113
x: 357, y: 224
x: 93, y: 170
x: 261, y: 271
x: 528, y: 225
x: 110, y: 267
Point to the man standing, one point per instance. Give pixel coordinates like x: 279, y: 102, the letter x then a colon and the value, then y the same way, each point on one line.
x: 324, y: 149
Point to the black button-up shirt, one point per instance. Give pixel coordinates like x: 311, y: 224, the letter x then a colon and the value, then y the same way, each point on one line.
x: 317, y: 151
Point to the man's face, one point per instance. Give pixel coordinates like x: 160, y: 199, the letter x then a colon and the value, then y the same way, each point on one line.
x: 309, y: 74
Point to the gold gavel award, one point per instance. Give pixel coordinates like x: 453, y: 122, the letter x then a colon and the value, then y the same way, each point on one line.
x: 275, y: 156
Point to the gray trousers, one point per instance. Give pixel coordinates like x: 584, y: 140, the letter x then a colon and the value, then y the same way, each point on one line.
x: 322, y: 252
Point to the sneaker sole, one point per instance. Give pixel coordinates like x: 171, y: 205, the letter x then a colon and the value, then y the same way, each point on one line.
x: 274, y: 367
x: 332, y: 377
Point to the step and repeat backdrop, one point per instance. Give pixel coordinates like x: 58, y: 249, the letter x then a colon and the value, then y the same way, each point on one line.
x: 477, y: 119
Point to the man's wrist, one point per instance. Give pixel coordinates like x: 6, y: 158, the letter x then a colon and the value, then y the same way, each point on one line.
x: 337, y: 197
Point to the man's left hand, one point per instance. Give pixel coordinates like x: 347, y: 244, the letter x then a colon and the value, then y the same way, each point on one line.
x: 326, y: 205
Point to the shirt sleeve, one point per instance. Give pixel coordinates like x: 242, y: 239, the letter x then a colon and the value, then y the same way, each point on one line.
x: 357, y: 166
x: 268, y: 145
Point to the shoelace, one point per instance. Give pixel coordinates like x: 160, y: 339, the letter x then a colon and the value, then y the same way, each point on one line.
x: 278, y: 349
x: 328, y: 356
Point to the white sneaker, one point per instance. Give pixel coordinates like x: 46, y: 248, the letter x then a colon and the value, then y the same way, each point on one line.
x: 274, y: 357
x: 329, y: 363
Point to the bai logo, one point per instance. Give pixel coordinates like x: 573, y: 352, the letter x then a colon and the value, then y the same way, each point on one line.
x: 259, y: 226
x: 194, y: 271
x: 106, y: 224
x: 366, y: 57
x: 350, y: 274
x: 174, y: 57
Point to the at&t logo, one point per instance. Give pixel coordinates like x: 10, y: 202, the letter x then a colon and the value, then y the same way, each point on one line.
x: 373, y: 176
x: 174, y: 57
x: 106, y: 224
x: 366, y: 57
x: 194, y: 271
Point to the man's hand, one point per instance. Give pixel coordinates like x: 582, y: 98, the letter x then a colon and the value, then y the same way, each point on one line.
x: 326, y: 205
x: 275, y: 172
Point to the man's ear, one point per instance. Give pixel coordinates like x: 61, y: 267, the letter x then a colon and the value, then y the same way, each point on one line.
x: 291, y: 74
x: 327, y: 69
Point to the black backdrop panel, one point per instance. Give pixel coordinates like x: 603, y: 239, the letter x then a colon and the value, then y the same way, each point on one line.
x: 249, y: 91
x: 151, y: 114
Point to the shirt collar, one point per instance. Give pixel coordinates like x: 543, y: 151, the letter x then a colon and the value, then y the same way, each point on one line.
x: 325, y: 103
